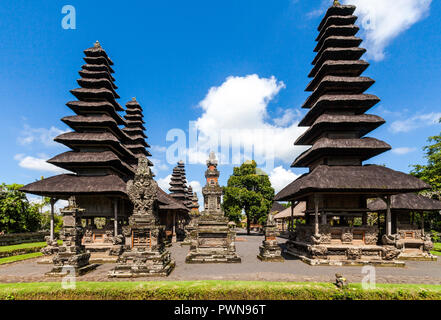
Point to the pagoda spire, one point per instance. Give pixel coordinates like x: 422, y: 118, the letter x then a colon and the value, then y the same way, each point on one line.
x: 134, y: 129
x: 96, y: 139
x: 178, y: 183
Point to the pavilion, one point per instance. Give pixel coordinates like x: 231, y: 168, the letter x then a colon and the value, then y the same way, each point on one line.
x: 411, y: 237
x: 337, y: 186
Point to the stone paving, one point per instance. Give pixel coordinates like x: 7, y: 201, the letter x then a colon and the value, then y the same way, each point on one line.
x: 251, y: 269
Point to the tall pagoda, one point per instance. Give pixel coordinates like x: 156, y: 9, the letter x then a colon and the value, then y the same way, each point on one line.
x: 338, y: 185
x: 178, y: 183
x: 100, y: 161
x: 134, y: 128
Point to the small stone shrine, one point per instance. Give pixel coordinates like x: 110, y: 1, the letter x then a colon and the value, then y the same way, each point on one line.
x: 144, y: 237
x: 212, y: 241
x: 270, y: 250
x: 72, y: 256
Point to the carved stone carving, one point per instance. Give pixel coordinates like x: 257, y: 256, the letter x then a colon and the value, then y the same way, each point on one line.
x: 353, y: 253
x: 347, y: 236
x: 317, y: 251
x: 390, y: 252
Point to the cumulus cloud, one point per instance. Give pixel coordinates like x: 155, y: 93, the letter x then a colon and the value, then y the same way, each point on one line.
x: 44, y: 136
x: 415, y: 122
x: 38, y: 164
x: 235, y: 115
x: 196, y: 186
x: 403, y: 150
x: 280, y: 178
x: 164, y: 183
x: 159, y: 165
x: 383, y: 20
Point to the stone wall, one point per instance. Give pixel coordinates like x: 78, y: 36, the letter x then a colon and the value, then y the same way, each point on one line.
x: 18, y: 238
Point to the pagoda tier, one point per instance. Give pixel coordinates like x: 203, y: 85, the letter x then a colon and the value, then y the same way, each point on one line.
x: 338, y: 103
x: 134, y: 129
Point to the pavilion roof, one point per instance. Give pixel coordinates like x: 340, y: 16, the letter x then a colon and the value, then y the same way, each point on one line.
x: 299, y: 211
x: 276, y: 207
x: 368, y: 179
x: 407, y: 201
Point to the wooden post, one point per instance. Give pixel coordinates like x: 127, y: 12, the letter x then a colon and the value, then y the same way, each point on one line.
x: 291, y: 221
x: 422, y: 223
x: 174, y: 238
x: 53, y: 200
x: 316, y: 221
x: 115, y: 216
x: 388, y: 217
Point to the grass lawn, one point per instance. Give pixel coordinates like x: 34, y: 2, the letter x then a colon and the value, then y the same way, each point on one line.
x: 436, y: 249
x: 214, y: 290
x: 20, y: 257
x: 24, y: 246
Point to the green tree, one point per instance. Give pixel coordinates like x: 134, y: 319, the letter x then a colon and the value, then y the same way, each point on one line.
x: 431, y: 174
x: 17, y: 214
x: 248, y: 190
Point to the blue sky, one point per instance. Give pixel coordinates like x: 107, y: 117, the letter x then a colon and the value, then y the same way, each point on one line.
x: 254, y: 55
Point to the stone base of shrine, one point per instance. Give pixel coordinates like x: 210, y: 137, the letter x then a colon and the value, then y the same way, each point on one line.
x: 270, y: 258
x: 46, y: 260
x: 67, y: 270
x: 270, y: 253
x: 342, y: 255
x: 143, y: 264
x: 417, y: 257
x: 212, y: 257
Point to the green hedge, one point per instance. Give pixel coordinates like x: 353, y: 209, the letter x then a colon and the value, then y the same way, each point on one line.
x: 214, y: 290
x: 24, y: 248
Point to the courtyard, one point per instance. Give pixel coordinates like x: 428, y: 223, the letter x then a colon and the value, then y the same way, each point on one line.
x: 251, y: 269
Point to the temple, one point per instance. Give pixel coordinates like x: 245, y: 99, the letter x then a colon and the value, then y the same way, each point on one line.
x: 407, y: 217
x: 212, y: 238
x: 102, y: 159
x: 337, y: 186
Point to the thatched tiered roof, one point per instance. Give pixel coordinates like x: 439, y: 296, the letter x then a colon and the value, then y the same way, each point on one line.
x: 135, y: 130
x: 99, y: 157
x: 178, y: 184
x: 406, y: 202
x: 337, y: 120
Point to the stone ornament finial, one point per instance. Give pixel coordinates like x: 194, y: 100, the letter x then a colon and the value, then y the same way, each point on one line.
x: 212, y: 159
x: 142, y: 190
x: 97, y: 44
x: 337, y: 3
x: 134, y: 99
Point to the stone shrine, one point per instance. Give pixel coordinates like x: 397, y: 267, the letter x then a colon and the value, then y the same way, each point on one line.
x: 72, y: 256
x: 212, y: 240
x: 145, y: 253
x: 270, y: 250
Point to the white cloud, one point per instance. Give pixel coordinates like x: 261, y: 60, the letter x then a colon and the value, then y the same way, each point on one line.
x: 158, y: 148
x: 60, y: 204
x: 383, y: 20
x: 41, y: 135
x: 38, y: 164
x: 236, y: 112
x: 196, y: 186
x: 280, y: 178
x: 164, y: 183
x: 415, y: 122
x: 403, y: 150
x: 158, y: 165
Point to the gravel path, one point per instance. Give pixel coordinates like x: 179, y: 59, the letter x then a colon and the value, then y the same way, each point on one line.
x: 250, y: 269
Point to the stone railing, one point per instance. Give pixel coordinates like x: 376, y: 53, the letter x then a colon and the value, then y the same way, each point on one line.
x: 18, y: 238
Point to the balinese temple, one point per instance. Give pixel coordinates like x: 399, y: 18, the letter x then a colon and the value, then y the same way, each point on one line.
x: 134, y: 128
x: 175, y: 221
x: 337, y: 186
x: 103, y: 157
x: 408, y: 223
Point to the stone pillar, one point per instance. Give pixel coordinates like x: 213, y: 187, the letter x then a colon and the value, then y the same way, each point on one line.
x: 316, y: 214
x: 388, y: 217
x: 53, y: 200
x: 72, y: 256
x: 115, y: 216
x: 174, y: 237
x: 270, y: 250
x: 422, y: 224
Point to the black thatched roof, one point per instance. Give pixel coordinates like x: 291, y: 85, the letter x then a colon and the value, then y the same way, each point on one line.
x: 368, y: 179
x: 276, y: 207
x: 406, y: 201
x: 169, y: 203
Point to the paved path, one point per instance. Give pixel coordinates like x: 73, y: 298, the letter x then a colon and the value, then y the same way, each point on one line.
x: 250, y: 269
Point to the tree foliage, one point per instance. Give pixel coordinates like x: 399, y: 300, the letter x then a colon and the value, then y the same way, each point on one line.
x: 431, y: 174
x: 249, y: 190
x: 17, y: 214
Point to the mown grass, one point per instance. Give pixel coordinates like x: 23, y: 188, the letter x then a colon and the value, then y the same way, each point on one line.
x: 24, y: 246
x: 215, y: 290
x: 436, y: 249
x: 20, y: 257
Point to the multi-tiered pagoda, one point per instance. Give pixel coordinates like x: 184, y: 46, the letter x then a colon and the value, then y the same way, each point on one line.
x: 135, y: 131
x: 338, y: 185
